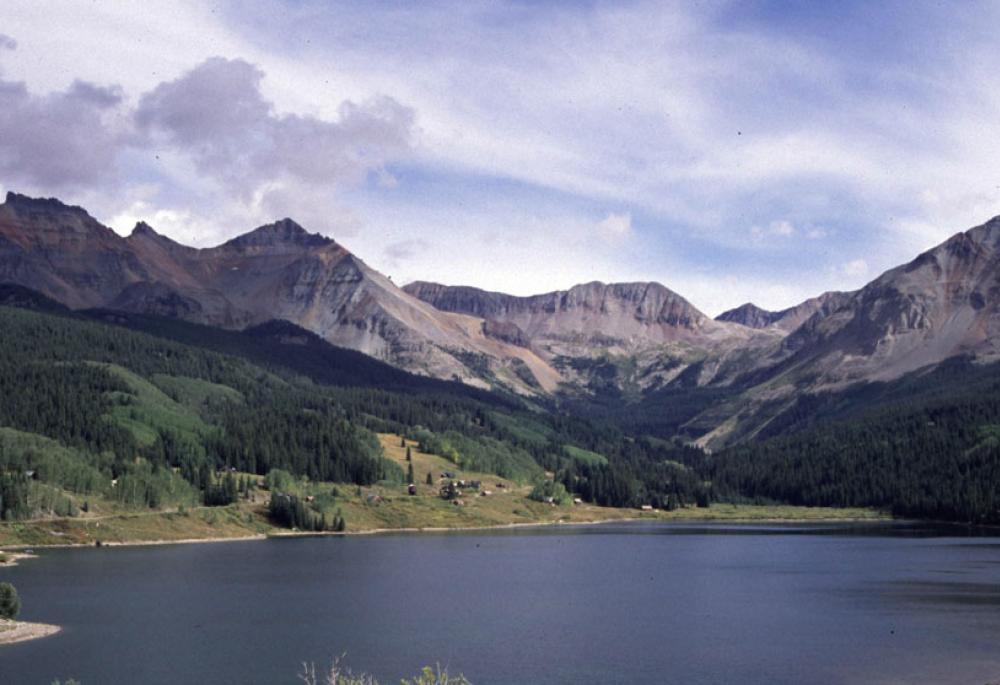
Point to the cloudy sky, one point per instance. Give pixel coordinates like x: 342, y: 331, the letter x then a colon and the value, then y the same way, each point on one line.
x: 762, y: 151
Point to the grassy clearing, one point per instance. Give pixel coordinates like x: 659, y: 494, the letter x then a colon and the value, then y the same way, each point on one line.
x: 585, y: 456
x: 385, y: 506
x: 150, y: 410
x: 200, y: 523
x: 196, y: 394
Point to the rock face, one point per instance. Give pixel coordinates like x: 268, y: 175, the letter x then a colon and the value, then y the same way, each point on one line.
x: 278, y: 271
x: 944, y: 303
x: 64, y: 253
x: 749, y: 315
x: 635, y: 335
x: 787, y: 320
x: 605, y: 313
x: 624, y: 338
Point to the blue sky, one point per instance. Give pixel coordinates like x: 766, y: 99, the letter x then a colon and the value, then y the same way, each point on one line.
x: 750, y: 151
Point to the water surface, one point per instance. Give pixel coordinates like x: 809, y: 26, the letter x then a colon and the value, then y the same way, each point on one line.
x: 629, y: 603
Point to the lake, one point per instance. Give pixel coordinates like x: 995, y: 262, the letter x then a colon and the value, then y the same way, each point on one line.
x: 628, y: 603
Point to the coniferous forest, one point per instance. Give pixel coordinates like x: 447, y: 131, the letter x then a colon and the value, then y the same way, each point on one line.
x: 153, y: 411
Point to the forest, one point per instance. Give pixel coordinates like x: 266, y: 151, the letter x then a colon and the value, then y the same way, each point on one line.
x: 161, y: 418
x: 157, y: 409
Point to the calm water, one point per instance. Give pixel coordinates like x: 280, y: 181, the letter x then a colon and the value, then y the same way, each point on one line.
x: 625, y: 603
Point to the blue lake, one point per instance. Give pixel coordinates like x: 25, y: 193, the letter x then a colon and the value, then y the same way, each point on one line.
x: 628, y: 603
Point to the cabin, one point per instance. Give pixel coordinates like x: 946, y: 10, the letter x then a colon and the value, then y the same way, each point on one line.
x: 450, y: 491
x: 486, y: 493
x: 412, y: 489
x: 577, y: 500
x: 647, y: 507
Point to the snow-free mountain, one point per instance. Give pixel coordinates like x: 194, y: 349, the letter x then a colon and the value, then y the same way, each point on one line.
x: 629, y: 340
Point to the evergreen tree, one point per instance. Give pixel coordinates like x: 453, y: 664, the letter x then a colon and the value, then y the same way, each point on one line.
x: 430, y: 478
x: 409, y: 474
x: 10, y: 603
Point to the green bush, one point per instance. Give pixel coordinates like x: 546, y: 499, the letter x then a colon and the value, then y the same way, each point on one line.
x: 10, y: 603
x: 555, y: 490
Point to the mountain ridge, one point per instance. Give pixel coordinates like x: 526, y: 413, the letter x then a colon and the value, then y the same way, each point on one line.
x: 630, y: 339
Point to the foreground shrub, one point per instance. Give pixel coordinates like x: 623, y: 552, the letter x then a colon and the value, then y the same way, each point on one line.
x: 340, y: 675
x: 10, y: 603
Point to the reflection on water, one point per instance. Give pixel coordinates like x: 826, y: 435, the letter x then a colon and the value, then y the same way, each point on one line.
x: 628, y: 602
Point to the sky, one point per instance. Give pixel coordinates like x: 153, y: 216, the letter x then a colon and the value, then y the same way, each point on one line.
x: 735, y: 152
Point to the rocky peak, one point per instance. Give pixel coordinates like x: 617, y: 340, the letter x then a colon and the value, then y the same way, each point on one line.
x: 144, y: 229
x: 750, y: 315
x: 28, y: 220
x: 283, y: 233
x: 39, y: 204
x: 49, y: 209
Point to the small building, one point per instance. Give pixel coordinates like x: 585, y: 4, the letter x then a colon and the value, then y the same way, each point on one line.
x: 486, y: 493
x: 577, y: 500
x: 647, y: 507
x: 412, y: 489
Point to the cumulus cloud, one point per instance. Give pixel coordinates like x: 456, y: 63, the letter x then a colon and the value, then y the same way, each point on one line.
x: 775, y: 229
x: 615, y: 227
x: 217, y: 114
x: 856, y: 268
x: 64, y: 139
x: 405, y: 249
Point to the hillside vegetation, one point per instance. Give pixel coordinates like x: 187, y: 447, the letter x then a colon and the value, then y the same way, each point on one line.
x: 100, y: 417
x: 114, y: 413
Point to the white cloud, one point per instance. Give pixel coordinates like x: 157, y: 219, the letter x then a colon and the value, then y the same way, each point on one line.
x: 855, y: 268
x: 217, y: 114
x: 669, y: 112
x: 615, y: 227
x: 775, y: 229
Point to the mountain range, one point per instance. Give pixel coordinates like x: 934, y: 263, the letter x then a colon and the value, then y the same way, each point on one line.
x: 627, y: 342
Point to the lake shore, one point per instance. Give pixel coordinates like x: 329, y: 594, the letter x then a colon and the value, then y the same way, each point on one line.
x: 22, y: 631
x: 725, y: 516
x: 11, y: 558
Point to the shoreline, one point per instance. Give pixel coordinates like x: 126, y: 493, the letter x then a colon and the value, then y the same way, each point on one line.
x: 12, y: 632
x: 280, y: 533
x: 14, y: 557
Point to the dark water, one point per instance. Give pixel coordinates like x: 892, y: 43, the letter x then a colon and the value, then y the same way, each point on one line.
x: 629, y: 603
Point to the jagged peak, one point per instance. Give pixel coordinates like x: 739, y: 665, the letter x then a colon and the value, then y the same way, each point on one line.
x: 40, y: 204
x: 283, y: 232
x: 751, y: 315
x: 142, y: 228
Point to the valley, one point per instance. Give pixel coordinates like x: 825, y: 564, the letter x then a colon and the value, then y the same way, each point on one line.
x: 156, y: 391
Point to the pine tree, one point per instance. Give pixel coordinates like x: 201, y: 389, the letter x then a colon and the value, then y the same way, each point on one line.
x: 430, y: 478
x: 409, y: 474
x: 409, y: 456
x: 10, y: 603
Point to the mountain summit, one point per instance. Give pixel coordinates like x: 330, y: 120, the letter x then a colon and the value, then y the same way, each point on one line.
x: 629, y: 340
x: 276, y: 271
